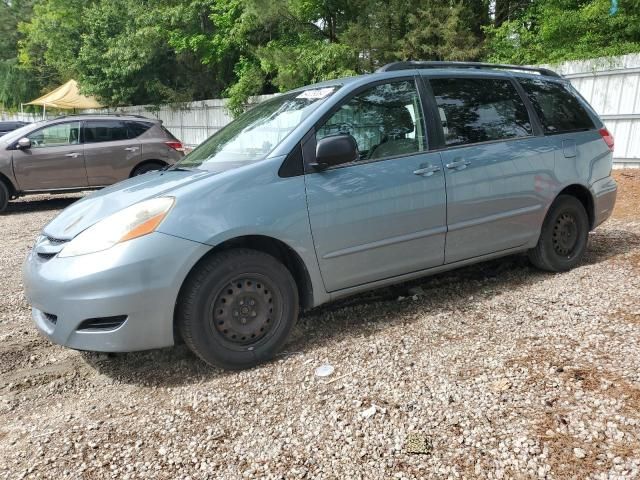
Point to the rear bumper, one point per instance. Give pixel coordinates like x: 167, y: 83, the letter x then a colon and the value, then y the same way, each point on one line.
x: 137, y: 281
x: 604, y: 193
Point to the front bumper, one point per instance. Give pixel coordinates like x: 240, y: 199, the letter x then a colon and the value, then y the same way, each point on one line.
x: 137, y: 281
x: 604, y: 193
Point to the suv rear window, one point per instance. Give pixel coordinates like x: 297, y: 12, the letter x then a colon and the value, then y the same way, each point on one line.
x: 96, y: 131
x: 558, y: 109
x: 474, y: 110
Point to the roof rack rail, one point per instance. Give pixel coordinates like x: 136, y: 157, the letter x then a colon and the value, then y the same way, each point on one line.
x: 98, y: 114
x: 416, y: 65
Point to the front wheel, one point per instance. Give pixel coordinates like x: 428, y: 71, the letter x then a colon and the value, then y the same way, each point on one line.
x: 237, y: 308
x: 564, y: 235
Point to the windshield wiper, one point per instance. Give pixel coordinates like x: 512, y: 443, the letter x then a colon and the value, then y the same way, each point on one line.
x: 177, y: 168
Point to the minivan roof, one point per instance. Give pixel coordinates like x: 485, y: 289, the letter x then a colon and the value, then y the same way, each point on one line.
x: 442, y: 68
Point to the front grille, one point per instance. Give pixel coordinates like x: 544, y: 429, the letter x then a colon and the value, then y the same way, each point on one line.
x: 51, y: 317
x: 56, y: 241
x: 48, y: 247
x: 102, y: 323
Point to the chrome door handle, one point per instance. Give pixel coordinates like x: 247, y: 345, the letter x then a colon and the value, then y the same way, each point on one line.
x: 458, y: 164
x: 131, y: 149
x: 427, y: 171
x: 73, y: 155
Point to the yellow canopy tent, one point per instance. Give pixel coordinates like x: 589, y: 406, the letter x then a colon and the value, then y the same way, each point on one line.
x: 66, y: 97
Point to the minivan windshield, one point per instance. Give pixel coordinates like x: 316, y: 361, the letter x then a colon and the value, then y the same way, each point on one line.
x: 255, y: 133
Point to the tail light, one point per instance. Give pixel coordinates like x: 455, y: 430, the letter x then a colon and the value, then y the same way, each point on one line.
x: 177, y: 146
x: 608, y: 138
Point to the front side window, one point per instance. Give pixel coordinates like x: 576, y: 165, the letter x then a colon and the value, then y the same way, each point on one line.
x: 385, y: 120
x: 474, y: 110
x: 57, y: 135
x: 97, y: 131
x: 558, y: 109
x: 257, y: 132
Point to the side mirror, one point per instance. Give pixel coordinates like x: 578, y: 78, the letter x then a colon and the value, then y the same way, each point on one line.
x: 335, y: 150
x: 24, y: 144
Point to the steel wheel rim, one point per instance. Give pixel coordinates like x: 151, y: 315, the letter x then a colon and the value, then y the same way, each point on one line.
x: 244, y: 311
x: 565, y: 235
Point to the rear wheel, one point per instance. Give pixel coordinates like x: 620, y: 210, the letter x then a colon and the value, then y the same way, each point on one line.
x: 147, y: 167
x: 237, y: 308
x: 564, y: 235
x: 4, y: 196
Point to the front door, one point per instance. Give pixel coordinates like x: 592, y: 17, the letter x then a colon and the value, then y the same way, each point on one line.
x: 383, y: 215
x: 111, y: 153
x: 54, y: 161
x: 495, y: 167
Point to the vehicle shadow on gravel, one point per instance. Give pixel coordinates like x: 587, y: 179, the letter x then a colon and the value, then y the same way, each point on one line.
x: 39, y: 205
x: 363, y: 314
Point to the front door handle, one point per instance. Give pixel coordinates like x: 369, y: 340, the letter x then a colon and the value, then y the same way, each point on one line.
x: 131, y: 149
x: 458, y: 164
x: 73, y: 155
x: 427, y: 171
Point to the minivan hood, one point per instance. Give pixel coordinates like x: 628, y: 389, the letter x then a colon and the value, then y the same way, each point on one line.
x: 93, y: 208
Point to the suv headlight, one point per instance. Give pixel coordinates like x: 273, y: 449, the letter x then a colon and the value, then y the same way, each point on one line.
x: 132, y: 222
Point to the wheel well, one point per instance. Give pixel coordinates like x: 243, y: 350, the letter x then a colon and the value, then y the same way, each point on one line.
x: 8, y: 184
x: 145, y: 162
x: 584, y: 195
x: 281, y: 251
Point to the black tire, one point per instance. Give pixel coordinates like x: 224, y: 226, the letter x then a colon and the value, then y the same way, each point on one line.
x: 237, y: 308
x: 564, y: 235
x: 147, y: 167
x: 4, y: 196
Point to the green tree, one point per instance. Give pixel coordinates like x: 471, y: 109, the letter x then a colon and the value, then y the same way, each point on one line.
x: 550, y: 31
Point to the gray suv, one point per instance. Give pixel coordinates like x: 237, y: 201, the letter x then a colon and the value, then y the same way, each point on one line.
x: 82, y: 152
x: 320, y: 193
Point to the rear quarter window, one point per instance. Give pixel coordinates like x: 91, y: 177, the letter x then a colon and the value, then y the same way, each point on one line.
x: 135, y: 129
x: 557, y: 107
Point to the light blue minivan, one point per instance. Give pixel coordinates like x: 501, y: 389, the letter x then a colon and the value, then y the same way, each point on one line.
x: 320, y: 193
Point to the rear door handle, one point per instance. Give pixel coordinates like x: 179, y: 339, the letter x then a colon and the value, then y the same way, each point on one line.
x: 131, y: 149
x: 427, y: 171
x: 458, y: 164
x: 73, y: 155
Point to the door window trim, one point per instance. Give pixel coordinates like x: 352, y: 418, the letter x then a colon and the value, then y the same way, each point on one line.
x: 432, y: 104
x: 309, y: 139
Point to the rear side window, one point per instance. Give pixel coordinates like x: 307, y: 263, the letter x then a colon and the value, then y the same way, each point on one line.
x: 135, y: 129
x: 558, y: 109
x: 97, y: 131
x: 474, y: 110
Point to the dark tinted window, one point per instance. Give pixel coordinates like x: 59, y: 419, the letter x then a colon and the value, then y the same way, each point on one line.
x: 476, y: 110
x: 137, y: 128
x: 96, y: 131
x: 559, y: 110
x: 386, y: 121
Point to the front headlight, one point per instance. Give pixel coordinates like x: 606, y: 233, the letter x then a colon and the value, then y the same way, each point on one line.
x: 132, y: 222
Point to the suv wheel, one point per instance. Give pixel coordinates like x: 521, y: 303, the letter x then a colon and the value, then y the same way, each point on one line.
x: 564, y: 235
x: 237, y: 308
x: 4, y: 196
x: 147, y: 167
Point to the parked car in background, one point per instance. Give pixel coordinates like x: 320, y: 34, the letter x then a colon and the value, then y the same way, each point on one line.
x: 82, y: 152
x: 321, y: 193
x: 10, y: 126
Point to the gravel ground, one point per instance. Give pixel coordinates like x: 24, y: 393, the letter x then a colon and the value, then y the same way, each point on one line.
x: 492, y: 371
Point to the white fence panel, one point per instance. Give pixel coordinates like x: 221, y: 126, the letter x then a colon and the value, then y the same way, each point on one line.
x: 612, y: 86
